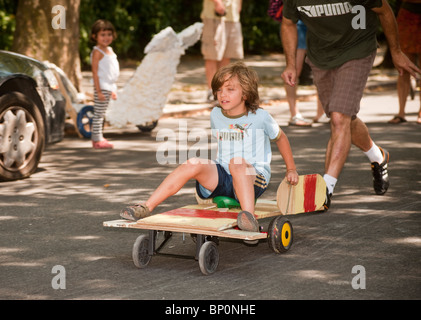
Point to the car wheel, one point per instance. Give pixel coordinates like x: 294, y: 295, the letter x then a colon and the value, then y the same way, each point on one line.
x: 22, y: 136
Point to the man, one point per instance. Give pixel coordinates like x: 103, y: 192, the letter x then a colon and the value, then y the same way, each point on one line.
x: 341, y: 47
x: 222, y: 38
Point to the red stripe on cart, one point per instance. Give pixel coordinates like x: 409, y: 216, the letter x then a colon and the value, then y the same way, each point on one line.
x: 310, y: 182
x: 201, y: 213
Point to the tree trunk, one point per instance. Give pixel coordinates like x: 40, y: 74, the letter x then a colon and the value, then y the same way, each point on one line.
x: 46, y: 34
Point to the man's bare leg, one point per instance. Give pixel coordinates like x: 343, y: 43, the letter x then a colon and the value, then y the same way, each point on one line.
x: 339, y: 144
x: 360, y: 136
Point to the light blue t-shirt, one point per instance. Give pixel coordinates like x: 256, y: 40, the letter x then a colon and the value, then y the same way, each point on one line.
x: 247, y: 136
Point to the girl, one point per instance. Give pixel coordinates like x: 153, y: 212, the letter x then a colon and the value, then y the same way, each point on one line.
x: 105, y: 72
x: 241, y: 169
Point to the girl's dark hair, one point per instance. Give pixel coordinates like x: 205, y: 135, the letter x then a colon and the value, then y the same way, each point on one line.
x: 102, y: 25
x: 249, y: 82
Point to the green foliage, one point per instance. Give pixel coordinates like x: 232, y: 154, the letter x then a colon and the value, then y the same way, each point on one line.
x: 7, y: 23
x: 137, y: 21
x: 261, y: 33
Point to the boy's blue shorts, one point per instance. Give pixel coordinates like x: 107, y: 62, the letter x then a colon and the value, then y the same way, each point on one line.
x: 225, y: 187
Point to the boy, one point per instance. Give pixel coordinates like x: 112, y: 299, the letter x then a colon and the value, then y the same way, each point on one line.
x: 242, y: 166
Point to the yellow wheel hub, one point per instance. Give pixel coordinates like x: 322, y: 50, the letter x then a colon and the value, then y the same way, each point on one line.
x: 286, y: 234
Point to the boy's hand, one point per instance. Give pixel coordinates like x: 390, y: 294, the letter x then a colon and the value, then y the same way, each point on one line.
x: 114, y: 95
x: 292, y: 177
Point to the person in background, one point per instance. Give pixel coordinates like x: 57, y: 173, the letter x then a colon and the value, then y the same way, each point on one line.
x: 341, y: 58
x: 222, y: 38
x: 409, y: 25
x: 296, y: 118
x: 105, y: 72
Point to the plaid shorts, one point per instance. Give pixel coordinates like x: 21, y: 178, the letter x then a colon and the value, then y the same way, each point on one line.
x: 341, y: 89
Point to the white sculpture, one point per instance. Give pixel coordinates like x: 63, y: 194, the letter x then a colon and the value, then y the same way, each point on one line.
x: 143, y: 97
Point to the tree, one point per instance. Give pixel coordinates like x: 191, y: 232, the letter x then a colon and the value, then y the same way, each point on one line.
x: 49, y: 30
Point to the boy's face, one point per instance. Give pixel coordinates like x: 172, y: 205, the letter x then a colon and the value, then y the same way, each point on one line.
x: 230, y: 97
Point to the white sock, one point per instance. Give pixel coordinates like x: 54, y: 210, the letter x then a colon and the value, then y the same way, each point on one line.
x: 374, y: 154
x: 330, y: 182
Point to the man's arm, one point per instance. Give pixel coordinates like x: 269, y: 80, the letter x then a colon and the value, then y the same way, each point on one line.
x: 390, y: 29
x: 289, y: 43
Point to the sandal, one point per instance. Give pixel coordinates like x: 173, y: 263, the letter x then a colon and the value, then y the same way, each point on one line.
x: 321, y: 119
x: 247, y: 222
x: 299, y: 121
x: 103, y: 144
x: 135, y: 212
x: 397, y: 119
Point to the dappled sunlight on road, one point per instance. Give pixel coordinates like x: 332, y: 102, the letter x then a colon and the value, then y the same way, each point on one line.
x: 55, y: 218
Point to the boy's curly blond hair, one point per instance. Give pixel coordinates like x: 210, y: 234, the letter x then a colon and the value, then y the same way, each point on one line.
x: 248, y: 79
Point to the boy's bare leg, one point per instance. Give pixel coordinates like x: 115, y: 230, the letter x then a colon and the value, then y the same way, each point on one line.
x: 202, y: 170
x: 243, y: 177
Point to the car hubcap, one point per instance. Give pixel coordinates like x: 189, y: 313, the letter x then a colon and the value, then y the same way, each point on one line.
x: 17, y: 138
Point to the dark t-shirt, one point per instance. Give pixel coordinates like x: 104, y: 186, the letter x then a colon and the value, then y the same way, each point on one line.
x: 333, y: 33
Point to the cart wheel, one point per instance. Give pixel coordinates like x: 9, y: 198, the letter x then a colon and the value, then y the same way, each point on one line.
x: 140, y: 253
x: 208, y: 258
x: 280, y: 235
x: 84, y: 121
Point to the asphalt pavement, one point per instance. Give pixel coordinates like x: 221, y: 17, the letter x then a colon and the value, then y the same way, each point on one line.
x: 366, y: 247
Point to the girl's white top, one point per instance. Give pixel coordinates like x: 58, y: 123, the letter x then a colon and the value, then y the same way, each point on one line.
x: 108, y: 70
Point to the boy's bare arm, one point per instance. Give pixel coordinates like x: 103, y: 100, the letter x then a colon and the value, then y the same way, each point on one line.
x: 285, y: 149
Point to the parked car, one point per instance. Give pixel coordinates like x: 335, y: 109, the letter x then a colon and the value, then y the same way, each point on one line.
x: 32, y: 114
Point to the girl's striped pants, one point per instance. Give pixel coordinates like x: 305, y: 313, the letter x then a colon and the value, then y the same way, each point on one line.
x: 100, y: 107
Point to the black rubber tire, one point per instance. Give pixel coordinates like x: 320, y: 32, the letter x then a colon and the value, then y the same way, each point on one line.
x: 280, y: 235
x: 208, y: 258
x: 140, y: 252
